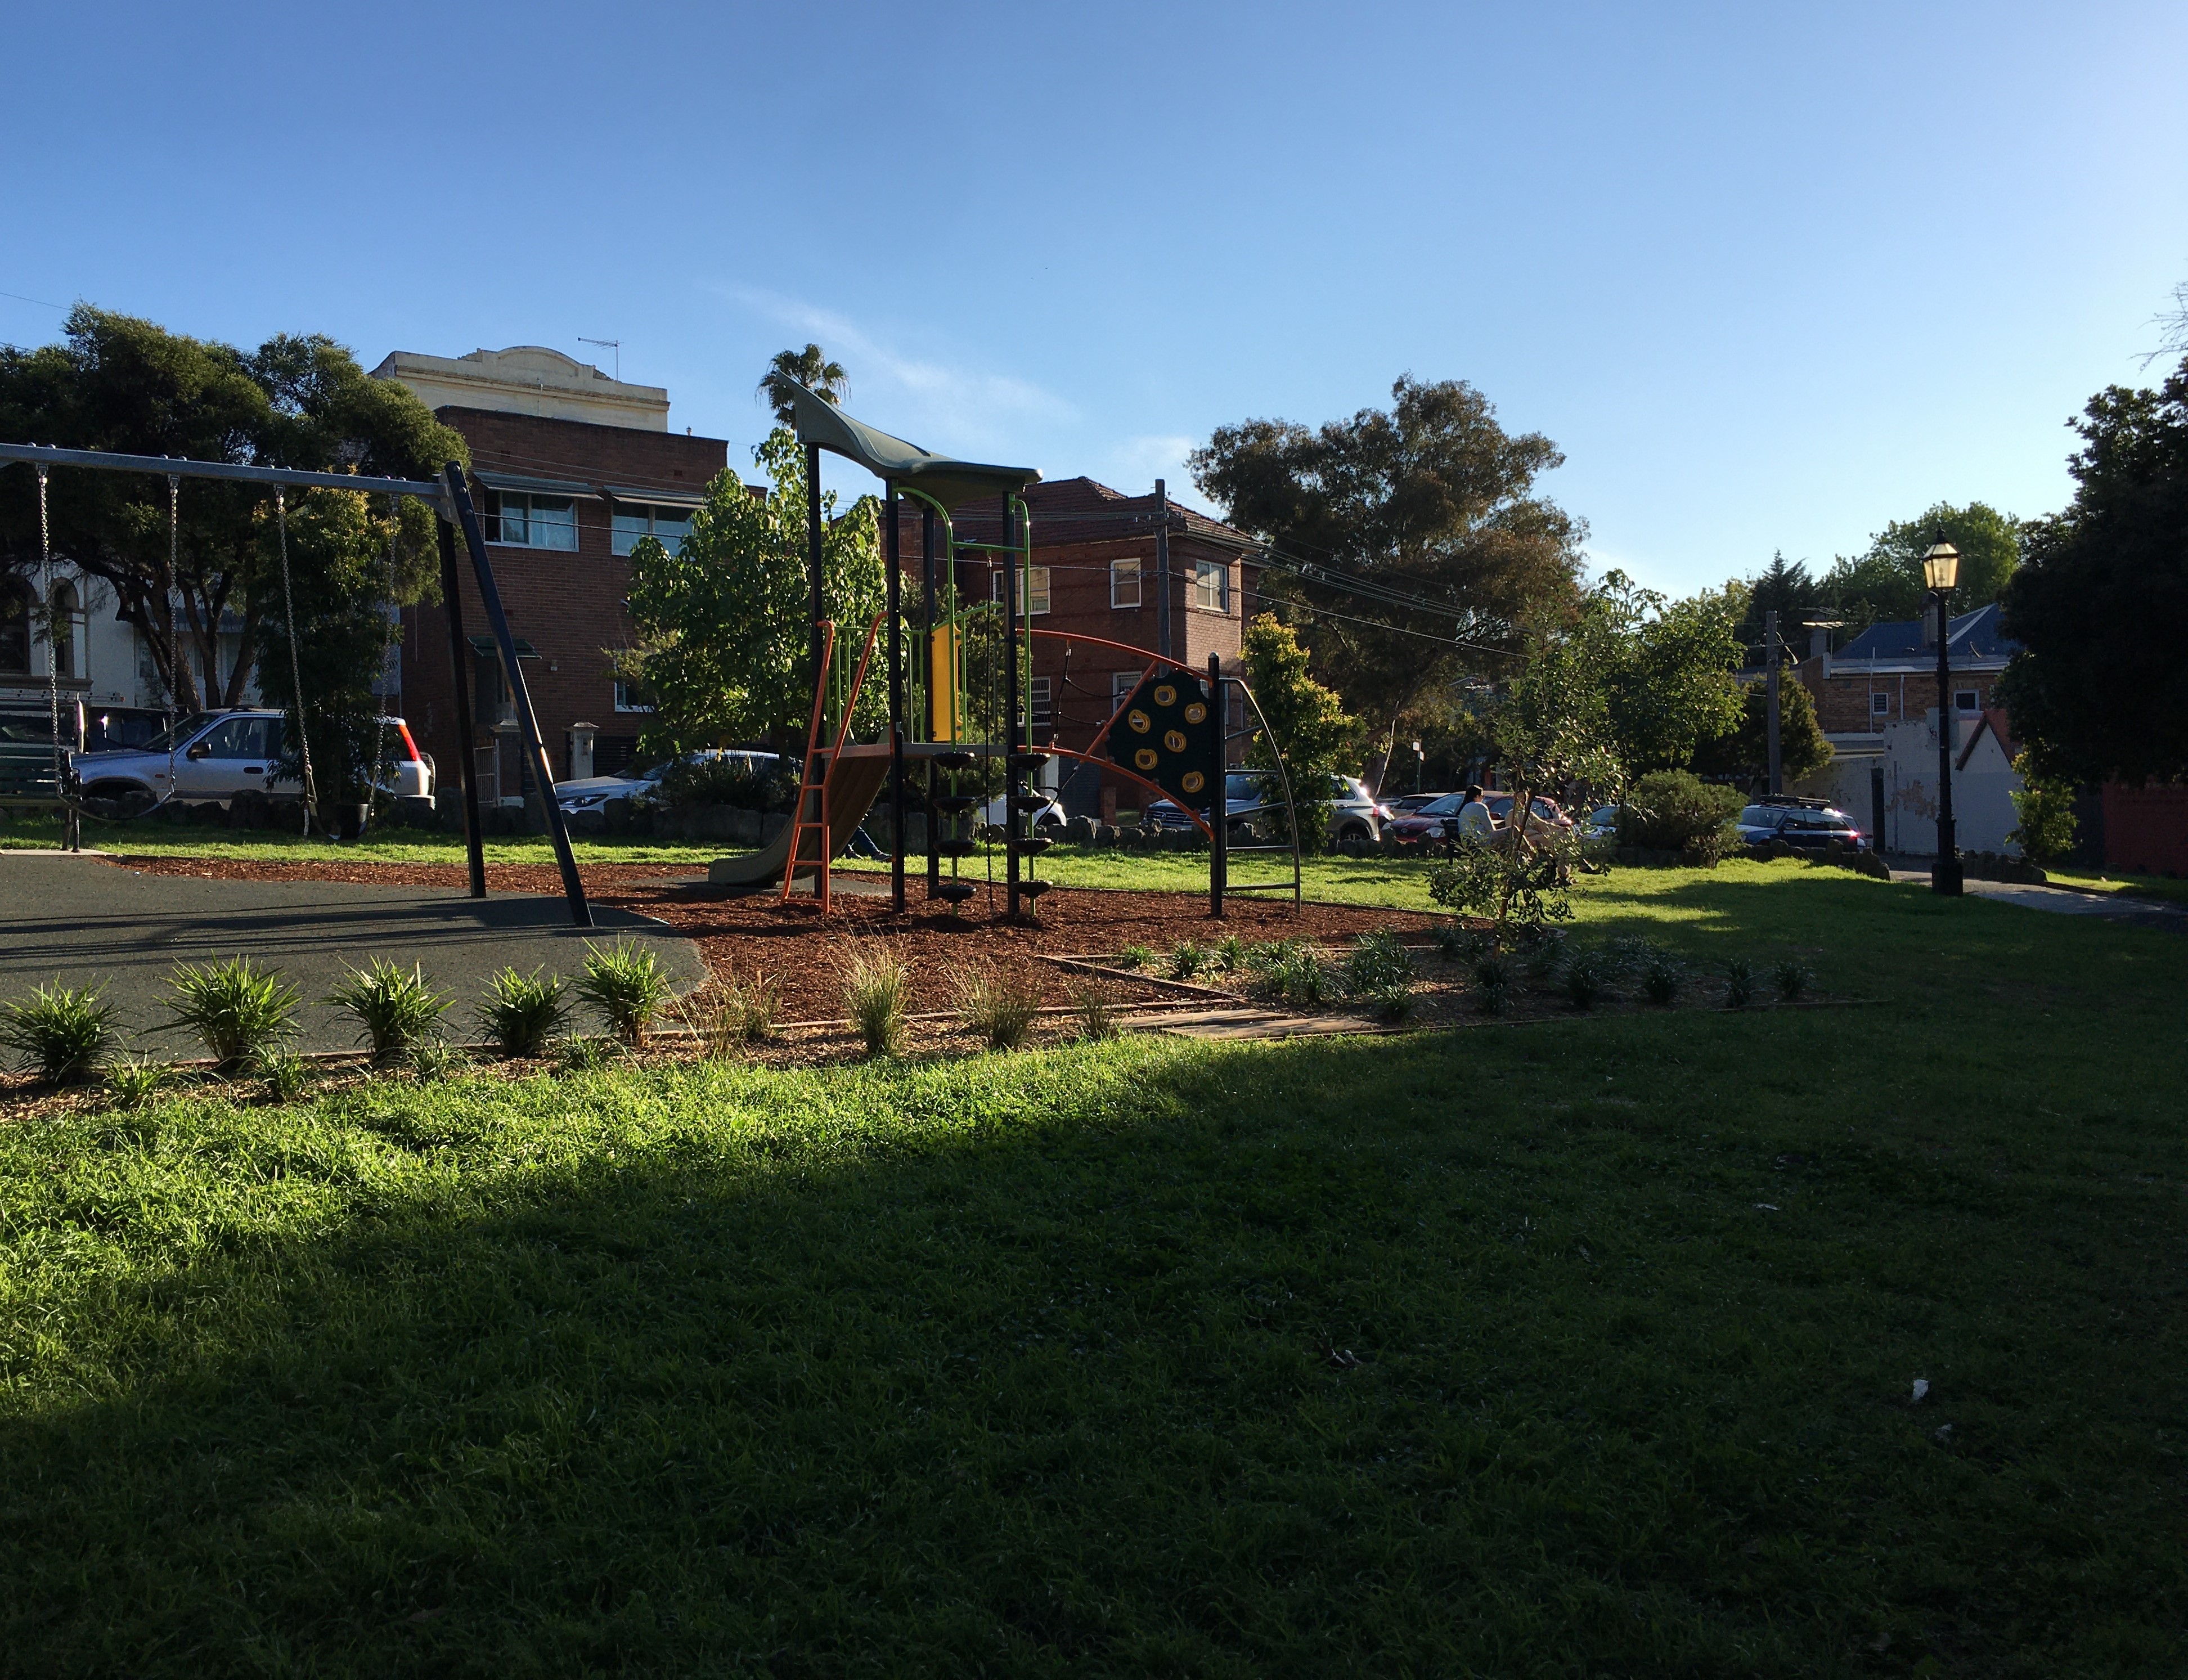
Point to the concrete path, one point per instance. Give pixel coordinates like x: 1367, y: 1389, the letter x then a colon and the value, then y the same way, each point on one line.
x: 88, y: 922
x: 2065, y: 901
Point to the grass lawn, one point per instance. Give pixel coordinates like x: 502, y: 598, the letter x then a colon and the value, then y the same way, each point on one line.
x: 1579, y: 1348
x: 397, y: 845
x: 2111, y: 880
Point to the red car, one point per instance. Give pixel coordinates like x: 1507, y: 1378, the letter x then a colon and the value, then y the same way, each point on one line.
x: 1428, y: 824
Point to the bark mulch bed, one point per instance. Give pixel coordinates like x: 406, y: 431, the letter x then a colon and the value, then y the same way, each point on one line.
x: 750, y: 934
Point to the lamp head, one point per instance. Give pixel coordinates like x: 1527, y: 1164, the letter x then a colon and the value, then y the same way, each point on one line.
x: 1941, y: 566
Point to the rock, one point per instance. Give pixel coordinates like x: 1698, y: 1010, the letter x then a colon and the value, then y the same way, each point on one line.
x: 1080, y: 831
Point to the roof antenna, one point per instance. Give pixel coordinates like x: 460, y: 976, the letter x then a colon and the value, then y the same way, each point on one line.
x: 614, y: 344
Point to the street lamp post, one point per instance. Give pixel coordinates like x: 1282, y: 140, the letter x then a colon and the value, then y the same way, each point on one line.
x: 1940, y: 570
x: 1420, y: 763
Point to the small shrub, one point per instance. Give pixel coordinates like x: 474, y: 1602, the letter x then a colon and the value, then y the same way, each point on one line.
x: 1492, y: 997
x: 1628, y: 953
x: 997, y: 1003
x: 875, y: 987
x: 285, y: 1074
x: 237, y: 1010
x: 1229, y: 955
x: 735, y: 781
x: 1187, y: 957
x: 1095, y: 1009
x: 134, y: 1080
x: 1492, y: 968
x: 433, y: 1060
x: 1458, y: 943
x: 1677, y: 811
x: 522, y: 1012
x: 1661, y: 979
x: 1585, y: 980
x: 1377, y: 963
x: 2045, y: 833
x: 1791, y: 980
x: 627, y: 984
x: 394, y: 1008
x: 1304, y: 979
x: 1543, y: 956
x: 62, y: 1032
x: 585, y: 1055
x: 1135, y: 956
x: 1739, y: 983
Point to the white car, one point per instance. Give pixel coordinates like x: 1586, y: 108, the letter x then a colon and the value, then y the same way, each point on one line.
x: 997, y: 811
x: 593, y: 792
x: 209, y: 757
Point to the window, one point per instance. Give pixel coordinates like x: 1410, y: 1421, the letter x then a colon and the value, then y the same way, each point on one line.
x: 1964, y: 701
x: 630, y: 696
x: 68, y: 630
x: 15, y: 626
x: 1211, y: 586
x: 634, y: 520
x: 1041, y: 718
x: 521, y: 520
x: 1121, y: 683
x: 1880, y: 705
x: 1124, y: 581
x: 1036, y: 601
x: 239, y: 738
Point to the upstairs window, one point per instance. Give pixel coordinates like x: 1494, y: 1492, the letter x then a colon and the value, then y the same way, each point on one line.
x: 1964, y: 701
x: 634, y: 520
x: 630, y: 696
x: 1121, y: 683
x: 1124, y: 581
x: 1041, y: 715
x: 1211, y: 586
x: 518, y: 519
x: 1880, y: 705
x: 1036, y: 601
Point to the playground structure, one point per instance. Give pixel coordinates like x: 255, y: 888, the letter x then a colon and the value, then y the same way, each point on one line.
x: 449, y: 497
x: 1169, y: 735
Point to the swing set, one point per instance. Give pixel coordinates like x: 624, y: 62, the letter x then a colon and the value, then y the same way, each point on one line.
x: 1170, y: 736
x: 449, y: 497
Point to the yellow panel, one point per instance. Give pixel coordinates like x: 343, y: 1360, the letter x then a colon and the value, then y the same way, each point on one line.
x: 942, y: 685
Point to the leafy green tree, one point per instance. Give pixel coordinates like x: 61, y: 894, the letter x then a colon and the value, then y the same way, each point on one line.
x: 2100, y: 605
x: 1743, y: 752
x: 811, y: 368
x: 1785, y: 587
x: 723, y: 627
x: 1884, y: 584
x: 1307, y: 718
x: 127, y: 386
x: 1410, y: 539
x: 1667, y: 669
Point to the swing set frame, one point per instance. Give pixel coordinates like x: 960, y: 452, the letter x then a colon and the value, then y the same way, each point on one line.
x: 450, y: 499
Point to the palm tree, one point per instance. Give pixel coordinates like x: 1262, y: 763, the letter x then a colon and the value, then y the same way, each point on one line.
x: 811, y: 368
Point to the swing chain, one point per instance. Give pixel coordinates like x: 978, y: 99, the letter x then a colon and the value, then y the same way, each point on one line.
x: 53, y: 632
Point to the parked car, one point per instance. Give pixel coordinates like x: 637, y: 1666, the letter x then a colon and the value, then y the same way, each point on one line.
x: 1430, y: 822
x: 1599, y: 824
x: 1808, y: 824
x: 1355, y: 814
x: 997, y: 811
x: 1410, y: 804
x: 209, y: 757
x: 592, y: 793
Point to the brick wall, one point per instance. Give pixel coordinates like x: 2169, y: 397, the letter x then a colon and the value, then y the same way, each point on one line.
x: 2146, y: 829
x: 569, y: 605
x: 1846, y: 699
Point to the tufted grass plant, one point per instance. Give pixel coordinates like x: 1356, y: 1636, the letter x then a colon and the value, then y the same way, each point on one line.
x: 1739, y: 983
x: 522, y: 1014
x: 134, y: 1080
x: 238, y: 1011
x: 627, y: 984
x: 1095, y: 1009
x: 1377, y: 963
x: 998, y: 1003
x: 1791, y: 979
x: 63, y: 1033
x: 285, y: 1074
x: 394, y: 1007
x: 877, y: 991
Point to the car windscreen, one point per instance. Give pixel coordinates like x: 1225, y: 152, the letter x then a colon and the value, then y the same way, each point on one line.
x: 1448, y: 806
x: 168, y: 740
x: 1760, y: 816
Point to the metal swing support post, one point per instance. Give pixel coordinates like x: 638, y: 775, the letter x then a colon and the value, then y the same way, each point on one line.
x: 466, y: 725
x: 895, y: 546
x: 542, y: 777
x: 1219, y: 790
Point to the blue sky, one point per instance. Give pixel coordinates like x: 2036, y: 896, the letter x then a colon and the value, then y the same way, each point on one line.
x: 1770, y: 276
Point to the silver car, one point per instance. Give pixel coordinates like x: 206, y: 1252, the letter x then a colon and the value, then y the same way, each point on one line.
x: 1353, y: 814
x: 209, y: 757
x: 593, y: 792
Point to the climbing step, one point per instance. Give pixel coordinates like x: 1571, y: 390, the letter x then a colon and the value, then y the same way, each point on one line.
x: 953, y: 892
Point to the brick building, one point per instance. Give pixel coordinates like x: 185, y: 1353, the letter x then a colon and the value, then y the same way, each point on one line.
x: 569, y: 468
x: 1888, y: 674
x: 1095, y: 555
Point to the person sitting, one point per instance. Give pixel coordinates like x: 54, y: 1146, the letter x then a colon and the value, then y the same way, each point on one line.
x: 1476, y: 826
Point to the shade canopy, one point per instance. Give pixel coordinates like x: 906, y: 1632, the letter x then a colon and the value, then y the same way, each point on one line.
x: 948, y: 481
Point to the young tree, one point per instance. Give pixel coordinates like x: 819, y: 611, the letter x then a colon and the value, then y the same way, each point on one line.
x: 723, y: 626
x: 1409, y: 533
x: 1307, y: 718
x: 811, y: 368
x: 130, y: 387
x: 1743, y: 751
x: 1667, y: 668
x: 2100, y: 605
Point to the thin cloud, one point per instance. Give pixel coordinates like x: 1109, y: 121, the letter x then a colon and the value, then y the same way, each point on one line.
x: 944, y: 407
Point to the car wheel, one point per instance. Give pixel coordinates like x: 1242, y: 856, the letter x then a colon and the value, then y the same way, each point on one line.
x: 1354, y: 834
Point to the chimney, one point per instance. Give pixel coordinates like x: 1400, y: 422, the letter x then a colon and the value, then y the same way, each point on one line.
x: 1819, y: 641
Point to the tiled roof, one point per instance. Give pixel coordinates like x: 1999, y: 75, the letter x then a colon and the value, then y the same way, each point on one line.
x: 1974, y: 636
x: 1085, y: 510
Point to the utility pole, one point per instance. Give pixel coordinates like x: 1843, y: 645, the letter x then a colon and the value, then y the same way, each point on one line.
x: 1777, y: 765
x: 1162, y: 569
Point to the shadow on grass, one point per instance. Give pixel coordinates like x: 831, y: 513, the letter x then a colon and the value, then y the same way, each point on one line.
x: 1556, y: 1350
